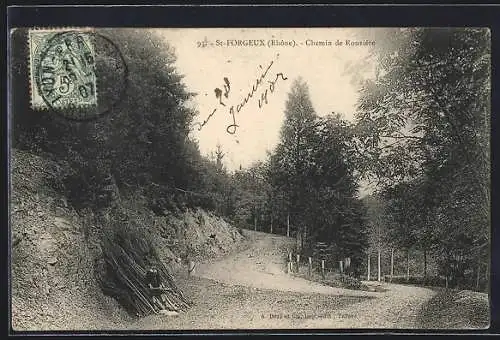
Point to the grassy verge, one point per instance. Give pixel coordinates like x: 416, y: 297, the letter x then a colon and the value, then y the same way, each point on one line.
x: 339, y: 281
x: 455, y: 309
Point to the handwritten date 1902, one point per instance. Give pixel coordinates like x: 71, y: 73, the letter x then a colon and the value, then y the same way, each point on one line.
x: 231, y: 129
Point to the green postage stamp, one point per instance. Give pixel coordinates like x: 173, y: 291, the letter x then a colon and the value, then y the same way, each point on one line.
x: 62, y: 68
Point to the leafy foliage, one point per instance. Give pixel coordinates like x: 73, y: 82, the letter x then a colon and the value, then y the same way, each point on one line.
x: 422, y: 133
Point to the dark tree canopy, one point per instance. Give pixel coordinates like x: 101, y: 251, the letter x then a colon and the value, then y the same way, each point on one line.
x: 423, y: 134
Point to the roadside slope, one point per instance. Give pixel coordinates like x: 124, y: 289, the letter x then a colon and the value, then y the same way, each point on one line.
x: 52, y: 280
x: 55, y: 249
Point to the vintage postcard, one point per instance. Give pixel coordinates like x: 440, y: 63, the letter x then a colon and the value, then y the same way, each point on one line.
x: 249, y: 178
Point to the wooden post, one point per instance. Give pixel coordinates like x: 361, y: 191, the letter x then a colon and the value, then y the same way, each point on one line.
x: 392, y: 263
x: 290, y: 268
x: 298, y: 262
x: 310, y: 266
x: 255, y: 223
x: 408, y: 265
x: 288, y: 225
x: 378, y: 266
x: 368, y: 275
x: 271, y: 224
x: 191, y: 266
x: 341, y: 267
x: 323, y: 268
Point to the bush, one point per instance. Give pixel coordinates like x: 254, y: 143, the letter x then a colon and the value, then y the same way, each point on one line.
x: 417, y: 280
x: 349, y: 282
x: 342, y: 281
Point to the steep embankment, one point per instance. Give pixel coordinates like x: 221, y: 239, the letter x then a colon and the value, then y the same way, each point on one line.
x: 54, y: 249
x: 52, y: 282
x: 193, y: 235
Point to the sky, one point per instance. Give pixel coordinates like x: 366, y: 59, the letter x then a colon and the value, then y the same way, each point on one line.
x: 331, y: 73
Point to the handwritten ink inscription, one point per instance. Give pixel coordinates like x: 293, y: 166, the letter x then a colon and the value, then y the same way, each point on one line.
x: 223, y: 94
x: 219, y: 92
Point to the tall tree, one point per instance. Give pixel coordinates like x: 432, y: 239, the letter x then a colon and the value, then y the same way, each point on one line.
x: 313, y: 169
x: 426, y: 118
x: 292, y: 150
x: 379, y: 228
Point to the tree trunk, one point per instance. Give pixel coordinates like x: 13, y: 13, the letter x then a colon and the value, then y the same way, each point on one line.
x: 368, y: 275
x: 255, y: 223
x: 486, y: 273
x: 310, y: 266
x: 378, y: 265
x: 408, y: 265
x: 299, y: 240
x: 271, y: 224
x: 392, y: 263
x: 304, y: 235
x: 477, y: 275
x: 288, y: 225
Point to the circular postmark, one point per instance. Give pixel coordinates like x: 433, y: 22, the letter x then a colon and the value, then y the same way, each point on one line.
x: 80, y: 74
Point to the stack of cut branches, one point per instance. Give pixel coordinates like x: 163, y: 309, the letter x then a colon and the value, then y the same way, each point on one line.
x: 127, y: 258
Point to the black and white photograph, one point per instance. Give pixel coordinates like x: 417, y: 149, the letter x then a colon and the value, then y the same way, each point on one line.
x: 249, y: 178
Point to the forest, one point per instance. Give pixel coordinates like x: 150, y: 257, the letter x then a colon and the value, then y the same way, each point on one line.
x: 421, y: 137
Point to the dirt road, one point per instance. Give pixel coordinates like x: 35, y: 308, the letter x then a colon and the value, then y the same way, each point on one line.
x: 250, y: 289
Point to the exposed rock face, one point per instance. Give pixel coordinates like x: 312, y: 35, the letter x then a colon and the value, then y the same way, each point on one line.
x: 53, y: 283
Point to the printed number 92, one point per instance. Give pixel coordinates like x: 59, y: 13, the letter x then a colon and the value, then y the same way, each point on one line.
x: 203, y: 43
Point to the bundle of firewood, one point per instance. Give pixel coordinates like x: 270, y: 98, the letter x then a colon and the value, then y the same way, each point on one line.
x: 127, y: 258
